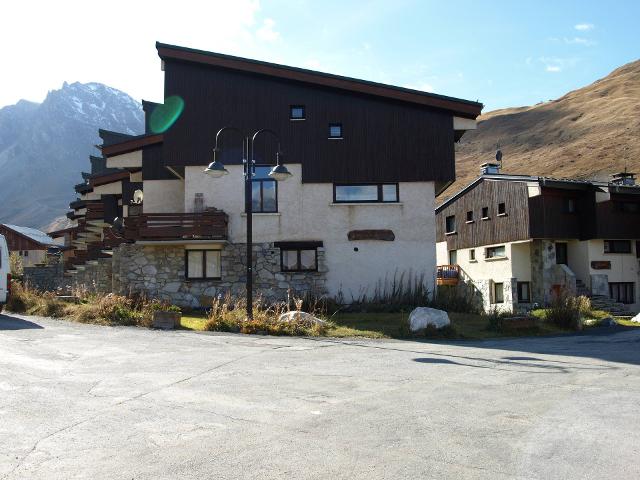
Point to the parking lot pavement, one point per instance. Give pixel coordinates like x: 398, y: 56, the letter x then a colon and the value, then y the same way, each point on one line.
x: 83, y: 401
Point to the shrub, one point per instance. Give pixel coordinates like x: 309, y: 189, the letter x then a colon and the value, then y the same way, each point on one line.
x: 18, y: 301
x: 495, y: 319
x: 16, y: 265
x: 454, y: 299
x: 404, y: 291
x: 566, y: 311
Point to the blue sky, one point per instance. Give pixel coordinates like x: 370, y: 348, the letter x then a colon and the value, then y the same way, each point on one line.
x: 503, y: 53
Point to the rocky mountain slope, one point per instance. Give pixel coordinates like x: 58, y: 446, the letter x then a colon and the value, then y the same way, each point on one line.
x: 44, y: 147
x: 588, y: 133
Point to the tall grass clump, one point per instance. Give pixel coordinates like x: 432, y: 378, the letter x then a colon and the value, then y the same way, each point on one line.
x: 567, y: 312
x: 402, y: 292
x: 228, y: 314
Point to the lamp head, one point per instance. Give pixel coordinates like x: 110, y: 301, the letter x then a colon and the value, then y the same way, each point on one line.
x: 280, y: 173
x: 216, y: 169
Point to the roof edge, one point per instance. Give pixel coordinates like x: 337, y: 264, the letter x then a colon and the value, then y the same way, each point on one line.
x: 461, y: 107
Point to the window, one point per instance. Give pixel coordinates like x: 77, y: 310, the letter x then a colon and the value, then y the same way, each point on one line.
x: 623, y: 292
x: 264, y: 194
x: 453, y: 257
x: 335, y: 130
x: 26, y: 253
x: 496, y: 252
x: 569, y: 205
x: 502, y: 209
x: 299, y: 260
x: 470, y: 216
x: 372, y: 193
x: 472, y: 255
x: 202, y: 264
x: 562, y: 256
x: 498, y: 293
x: 617, y: 246
x: 296, y: 112
x: 485, y: 213
x: 524, y: 292
x: 450, y: 224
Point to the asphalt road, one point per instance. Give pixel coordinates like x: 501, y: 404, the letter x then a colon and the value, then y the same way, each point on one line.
x: 90, y: 402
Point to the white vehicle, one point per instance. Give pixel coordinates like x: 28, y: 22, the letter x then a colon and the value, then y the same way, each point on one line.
x: 5, y: 275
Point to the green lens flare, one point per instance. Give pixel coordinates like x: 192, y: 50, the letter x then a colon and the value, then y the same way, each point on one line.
x: 166, y: 114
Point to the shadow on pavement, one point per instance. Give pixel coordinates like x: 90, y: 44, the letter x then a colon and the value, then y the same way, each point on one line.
x: 12, y: 323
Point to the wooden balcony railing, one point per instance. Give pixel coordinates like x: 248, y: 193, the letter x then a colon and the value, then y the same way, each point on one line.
x: 176, y: 226
x: 447, y: 274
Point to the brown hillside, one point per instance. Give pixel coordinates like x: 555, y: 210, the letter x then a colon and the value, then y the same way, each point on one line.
x: 588, y: 133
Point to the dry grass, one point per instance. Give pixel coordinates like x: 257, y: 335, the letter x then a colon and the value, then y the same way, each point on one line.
x: 99, y: 309
x: 228, y: 314
x: 588, y: 133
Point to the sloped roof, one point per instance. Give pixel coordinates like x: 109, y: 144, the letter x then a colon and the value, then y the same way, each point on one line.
x: 35, y: 235
x: 457, y: 106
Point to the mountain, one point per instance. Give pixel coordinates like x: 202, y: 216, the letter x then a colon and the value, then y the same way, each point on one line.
x: 588, y: 133
x: 44, y: 147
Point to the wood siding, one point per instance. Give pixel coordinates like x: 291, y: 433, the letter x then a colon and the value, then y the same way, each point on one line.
x: 613, y: 223
x: 548, y: 216
x: 384, y: 140
x: 498, y: 229
x: 153, y: 165
x: 17, y: 241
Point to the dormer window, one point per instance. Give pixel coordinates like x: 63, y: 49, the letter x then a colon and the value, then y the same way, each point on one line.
x: 296, y: 112
x: 335, y: 130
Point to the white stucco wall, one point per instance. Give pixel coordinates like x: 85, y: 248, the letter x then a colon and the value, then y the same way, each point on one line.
x: 126, y: 160
x: 163, y: 196
x: 306, y: 212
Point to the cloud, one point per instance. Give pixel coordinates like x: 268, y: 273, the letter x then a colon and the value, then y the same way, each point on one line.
x: 266, y: 32
x: 583, y: 27
x: 423, y: 86
x: 580, y: 41
x: 557, y: 64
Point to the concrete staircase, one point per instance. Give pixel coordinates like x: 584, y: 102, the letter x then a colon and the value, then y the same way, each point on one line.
x: 602, y: 302
x: 581, y: 289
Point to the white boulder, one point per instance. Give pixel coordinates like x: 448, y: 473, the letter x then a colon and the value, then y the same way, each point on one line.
x: 421, y: 317
x: 298, y: 316
x: 636, y: 318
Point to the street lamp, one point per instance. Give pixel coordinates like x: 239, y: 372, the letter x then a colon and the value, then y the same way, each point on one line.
x: 279, y: 173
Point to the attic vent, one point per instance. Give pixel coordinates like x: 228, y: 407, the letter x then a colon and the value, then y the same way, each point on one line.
x: 623, y: 178
x: 198, y: 203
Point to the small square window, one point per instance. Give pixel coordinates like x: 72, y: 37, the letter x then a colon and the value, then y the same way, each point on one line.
x: 299, y: 260
x: 485, y: 213
x: 390, y: 192
x: 472, y: 254
x: 502, y: 209
x: 335, y: 130
x: 296, y: 112
x: 450, y: 224
x: 470, y: 216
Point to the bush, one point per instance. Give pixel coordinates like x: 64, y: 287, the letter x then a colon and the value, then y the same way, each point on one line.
x: 454, y: 299
x: 566, y: 311
x: 495, y: 319
x: 403, y: 292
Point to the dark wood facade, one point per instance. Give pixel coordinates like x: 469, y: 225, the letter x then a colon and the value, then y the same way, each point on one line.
x: 16, y: 241
x: 384, y: 140
x: 561, y: 210
x: 512, y: 226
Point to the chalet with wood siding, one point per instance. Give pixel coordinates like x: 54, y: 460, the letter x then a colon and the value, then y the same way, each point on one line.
x: 516, y: 240
x: 367, y: 161
x: 29, y: 244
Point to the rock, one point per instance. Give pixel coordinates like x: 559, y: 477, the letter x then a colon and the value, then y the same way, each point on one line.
x: 421, y: 317
x: 608, y: 322
x: 303, y: 317
x: 636, y: 318
x: 149, y: 270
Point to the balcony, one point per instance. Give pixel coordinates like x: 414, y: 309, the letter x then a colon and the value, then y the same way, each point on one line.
x: 447, y: 274
x: 177, y: 226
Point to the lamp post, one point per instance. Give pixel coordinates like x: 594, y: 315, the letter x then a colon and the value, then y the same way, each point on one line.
x: 279, y: 173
